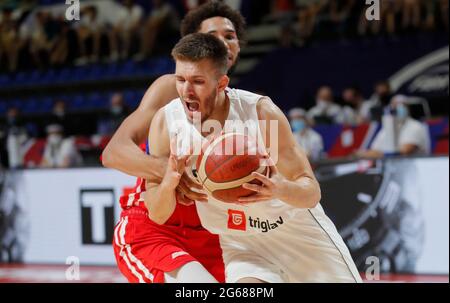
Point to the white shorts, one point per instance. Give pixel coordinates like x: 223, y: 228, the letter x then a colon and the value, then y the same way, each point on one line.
x: 307, y: 248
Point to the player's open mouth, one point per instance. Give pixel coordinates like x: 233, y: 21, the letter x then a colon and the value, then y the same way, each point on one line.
x: 192, y: 106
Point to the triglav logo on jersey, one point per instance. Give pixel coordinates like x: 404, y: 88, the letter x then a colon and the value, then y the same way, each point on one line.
x: 237, y: 220
x: 266, y: 225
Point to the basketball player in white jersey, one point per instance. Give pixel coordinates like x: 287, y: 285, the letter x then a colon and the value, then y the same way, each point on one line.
x: 282, y: 233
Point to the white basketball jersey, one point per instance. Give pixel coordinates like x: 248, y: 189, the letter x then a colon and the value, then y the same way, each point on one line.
x: 230, y: 218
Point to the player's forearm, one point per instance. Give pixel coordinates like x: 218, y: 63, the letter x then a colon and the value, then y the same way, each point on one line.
x: 302, y: 193
x: 160, y: 202
x: 130, y: 159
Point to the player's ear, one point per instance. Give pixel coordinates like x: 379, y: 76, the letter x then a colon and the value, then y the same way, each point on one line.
x: 223, y: 83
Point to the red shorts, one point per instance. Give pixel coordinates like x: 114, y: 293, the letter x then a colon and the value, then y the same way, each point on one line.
x: 145, y: 250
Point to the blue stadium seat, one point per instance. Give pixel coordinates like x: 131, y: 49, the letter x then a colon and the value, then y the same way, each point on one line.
x: 94, y: 100
x: 30, y: 106
x: 35, y: 76
x: 128, y: 68
x: 65, y: 75
x: 17, y: 103
x: 80, y: 73
x: 4, y: 80
x: 49, y: 77
x: 45, y: 105
x: 21, y: 78
x: 111, y: 70
x: 130, y: 98
x: 3, y: 107
x: 97, y: 72
x: 77, y: 102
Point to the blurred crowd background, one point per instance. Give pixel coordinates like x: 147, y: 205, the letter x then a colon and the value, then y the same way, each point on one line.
x: 65, y: 86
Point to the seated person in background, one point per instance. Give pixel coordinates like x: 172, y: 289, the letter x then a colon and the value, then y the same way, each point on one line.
x: 17, y: 134
x: 161, y: 23
x: 310, y: 140
x: 59, y: 152
x: 89, y: 27
x: 126, y: 27
x: 111, y: 120
x: 411, y: 136
x: 325, y: 111
x: 356, y: 110
x: 61, y: 116
x: 380, y: 100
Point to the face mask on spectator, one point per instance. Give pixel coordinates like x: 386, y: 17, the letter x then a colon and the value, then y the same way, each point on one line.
x: 11, y: 120
x: 298, y: 125
x: 116, y: 109
x: 54, y: 139
x: 322, y: 103
x: 59, y: 112
x: 401, y: 112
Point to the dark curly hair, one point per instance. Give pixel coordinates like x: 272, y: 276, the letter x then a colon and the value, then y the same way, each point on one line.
x: 194, y: 18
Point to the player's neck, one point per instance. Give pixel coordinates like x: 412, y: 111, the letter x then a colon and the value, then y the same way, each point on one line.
x: 220, y: 112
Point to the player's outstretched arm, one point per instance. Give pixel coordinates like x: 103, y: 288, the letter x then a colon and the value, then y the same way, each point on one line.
x: 123, y: 152
x: 291, y: 178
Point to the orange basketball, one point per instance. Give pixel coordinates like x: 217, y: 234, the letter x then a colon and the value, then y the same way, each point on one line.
x: 227, y: 163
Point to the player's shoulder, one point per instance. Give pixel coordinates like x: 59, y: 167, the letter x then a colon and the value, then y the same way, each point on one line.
x: 161, y: 92
x: 165, y: 82
x: 166, y: 78
x: 267, y: 110
x: 244, y: 94
x: 159, y: 120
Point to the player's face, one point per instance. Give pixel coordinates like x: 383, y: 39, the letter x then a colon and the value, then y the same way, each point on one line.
x: 223, y: 29
x: 198, y: 85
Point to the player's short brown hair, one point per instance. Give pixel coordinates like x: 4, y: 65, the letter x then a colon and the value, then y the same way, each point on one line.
x: 194, y: 18
x: 197, y: 46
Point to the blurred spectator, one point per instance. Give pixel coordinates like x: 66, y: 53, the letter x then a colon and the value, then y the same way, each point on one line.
x: 310, y: 140
x: 443, y: 14
x: 60, y: 49
x: 126, y: 28
x: 410, y: 136
x: 111, y: 120
x: 60, y: 116
x: 59, y: 152
x: 282, y: 9
x: 16, y: 136
x: 90, y: 27
x: 332, y: 17
x: 325, y: 110
x: 307, y: 11
x: 48, y: 41
x: 191, y: 4
x: 411, y: 17
x: 162, y: 22
x: 356, y: 110
x: 4, y: 161
x: 390, y: 18
x: 23, y: 9
x: 380, y: 99
x: 10, y: 43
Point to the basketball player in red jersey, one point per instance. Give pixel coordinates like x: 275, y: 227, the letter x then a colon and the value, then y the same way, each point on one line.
x: 181, y: 250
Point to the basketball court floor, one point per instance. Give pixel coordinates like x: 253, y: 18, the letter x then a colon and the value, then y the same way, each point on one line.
x: 19, y: 273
